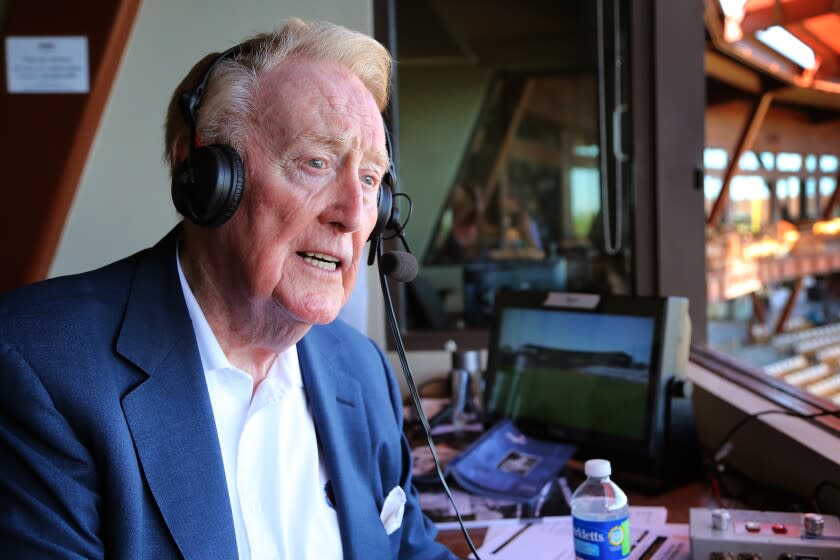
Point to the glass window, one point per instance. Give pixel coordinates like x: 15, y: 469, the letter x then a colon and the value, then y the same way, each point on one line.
x: 712, y: 186
x: 747, y: 187
x: 715, y: 158
x: 789, y: 162
x: 768, y: 160
x: 513, y: 136
x: 711, y: 190
x: 812, y: 198
x: 828, y: 164
x: 749, y: 162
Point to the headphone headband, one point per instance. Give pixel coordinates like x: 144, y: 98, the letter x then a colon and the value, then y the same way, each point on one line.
x: 190, y: 100
x: 207, y: 186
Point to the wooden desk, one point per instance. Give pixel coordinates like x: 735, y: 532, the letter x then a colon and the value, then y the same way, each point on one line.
x: 678, y: 502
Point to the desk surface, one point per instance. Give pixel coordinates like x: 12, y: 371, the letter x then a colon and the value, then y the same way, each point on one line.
x: 678, y: 502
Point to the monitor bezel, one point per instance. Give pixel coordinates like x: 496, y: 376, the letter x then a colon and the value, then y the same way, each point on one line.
x: 592, y: 443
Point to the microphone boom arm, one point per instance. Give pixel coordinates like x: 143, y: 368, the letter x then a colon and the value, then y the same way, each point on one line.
x: 412, y: 386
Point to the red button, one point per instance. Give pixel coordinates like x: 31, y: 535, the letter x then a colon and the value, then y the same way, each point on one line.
x: 779, y: 528
x: 752, y: 526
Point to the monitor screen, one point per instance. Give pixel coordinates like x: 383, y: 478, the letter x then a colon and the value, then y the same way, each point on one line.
x: 581, y: 368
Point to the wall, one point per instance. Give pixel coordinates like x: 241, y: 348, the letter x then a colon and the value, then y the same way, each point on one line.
x: 51, y: 134
x: 784, y: 128
x: 123, y: 203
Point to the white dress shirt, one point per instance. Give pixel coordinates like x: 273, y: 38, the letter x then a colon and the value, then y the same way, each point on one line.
x: 275, y: 477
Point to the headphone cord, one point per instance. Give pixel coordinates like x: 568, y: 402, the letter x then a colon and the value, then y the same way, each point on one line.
x: 415, y: 397
x: 399, y: 227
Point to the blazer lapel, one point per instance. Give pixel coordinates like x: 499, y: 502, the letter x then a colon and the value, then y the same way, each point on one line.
x: 341, y: 426
x: 169, y: 414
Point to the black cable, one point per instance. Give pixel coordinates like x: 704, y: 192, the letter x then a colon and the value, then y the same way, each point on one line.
x: 415, y: 397
x: 815, y: 497
x: 761, y: 495
x: 398, y: 232
x: 725, y: 446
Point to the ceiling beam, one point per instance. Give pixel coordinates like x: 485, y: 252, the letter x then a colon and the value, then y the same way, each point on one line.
x: 728, y: 71
x: 784, y: 13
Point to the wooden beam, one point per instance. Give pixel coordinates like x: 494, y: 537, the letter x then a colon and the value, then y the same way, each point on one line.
x: 784, y: 13
x: 745, y: 142
x: 758, y: 309
x: 52, y: 134
x: 831, y: 204
x: 71, y: 174
x: 498, y: 175
x: 789, y: 304
x: 731, y: 72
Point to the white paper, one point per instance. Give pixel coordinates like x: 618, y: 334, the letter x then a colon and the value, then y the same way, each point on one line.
x: 550, y: 538
x: 674, y: 543
x: 648, y: 516
x: 47, y: 64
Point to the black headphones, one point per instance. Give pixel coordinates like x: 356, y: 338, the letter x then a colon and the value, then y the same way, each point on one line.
x: 207, y: 186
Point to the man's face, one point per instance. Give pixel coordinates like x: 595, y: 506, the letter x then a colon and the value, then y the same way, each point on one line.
x: 314, y: 162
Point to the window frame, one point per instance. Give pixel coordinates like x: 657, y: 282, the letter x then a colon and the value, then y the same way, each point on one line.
x: 667, y: 97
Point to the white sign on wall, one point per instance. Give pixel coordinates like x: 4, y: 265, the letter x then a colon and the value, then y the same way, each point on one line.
x: 47, y: 65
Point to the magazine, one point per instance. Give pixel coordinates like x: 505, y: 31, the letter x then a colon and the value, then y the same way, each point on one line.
x: 506, y: 464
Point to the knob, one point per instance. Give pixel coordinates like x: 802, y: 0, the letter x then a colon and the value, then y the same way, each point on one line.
x: 814, y: 524
x: 720, y: 519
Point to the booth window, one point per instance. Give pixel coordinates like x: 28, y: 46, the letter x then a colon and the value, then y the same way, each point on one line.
x: 512, y: 128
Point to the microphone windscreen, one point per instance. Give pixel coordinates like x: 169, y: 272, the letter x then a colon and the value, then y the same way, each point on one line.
x: 399, y: 265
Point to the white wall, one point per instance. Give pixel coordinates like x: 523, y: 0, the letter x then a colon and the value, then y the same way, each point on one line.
x: 123, y: 204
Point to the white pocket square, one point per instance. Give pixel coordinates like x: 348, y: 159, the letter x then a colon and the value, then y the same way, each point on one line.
x: 393, y: 509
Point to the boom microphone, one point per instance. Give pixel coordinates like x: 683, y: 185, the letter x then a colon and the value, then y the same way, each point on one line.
x: 402, y: 266
x: 399, y: 265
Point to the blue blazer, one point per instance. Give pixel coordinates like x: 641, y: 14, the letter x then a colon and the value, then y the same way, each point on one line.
x: 108, y: 446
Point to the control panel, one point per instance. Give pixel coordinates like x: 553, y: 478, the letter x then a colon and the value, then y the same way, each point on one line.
x: 737, y: 534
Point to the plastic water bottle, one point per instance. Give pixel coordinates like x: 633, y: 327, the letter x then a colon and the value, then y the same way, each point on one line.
x: 600, y: 515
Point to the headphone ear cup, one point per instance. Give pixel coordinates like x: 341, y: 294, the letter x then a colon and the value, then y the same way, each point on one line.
x: 207, y: 187
x: 182, y: 183
x: 234, y: 185
x: 384, y: 208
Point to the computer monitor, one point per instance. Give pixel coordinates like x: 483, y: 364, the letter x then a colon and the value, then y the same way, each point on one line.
x: 592, y: 370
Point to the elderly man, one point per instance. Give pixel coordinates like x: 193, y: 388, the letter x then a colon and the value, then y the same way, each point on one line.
x: 196, y: 399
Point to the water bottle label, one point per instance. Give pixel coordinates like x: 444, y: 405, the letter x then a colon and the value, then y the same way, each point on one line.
x: 601, y: 540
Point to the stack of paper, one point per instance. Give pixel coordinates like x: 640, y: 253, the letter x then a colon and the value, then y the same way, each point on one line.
x: 550, y: 538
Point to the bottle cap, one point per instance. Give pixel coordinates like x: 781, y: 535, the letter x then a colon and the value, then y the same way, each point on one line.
x: 597, y: 468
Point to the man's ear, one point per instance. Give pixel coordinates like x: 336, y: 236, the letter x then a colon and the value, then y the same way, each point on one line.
x: 178, y: 153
